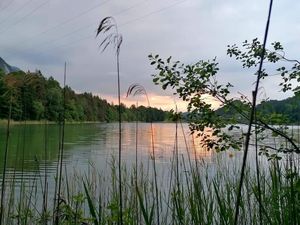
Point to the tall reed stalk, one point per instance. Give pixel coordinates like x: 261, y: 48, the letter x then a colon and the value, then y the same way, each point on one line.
x: 136, y: 158
x: 5, y: 161
x: 257, y: 169
x: 23, y: 118
x: 137, y: 89
x: 21, y: 194
x: 45, y: 192
x: 252, y: 114
x: 176, y: 150
x: 136, y: 162
x: 61, y: 154
x: 108, y: 26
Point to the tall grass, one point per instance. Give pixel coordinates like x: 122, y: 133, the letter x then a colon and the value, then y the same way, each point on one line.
x: 137, y: 197
x: 109, y: 27
x: 196, y: 194
x: 45, y: 189
x: 3, y: 186
x: 207, y: 196
x: 137, y: 89
x: 61, y: 151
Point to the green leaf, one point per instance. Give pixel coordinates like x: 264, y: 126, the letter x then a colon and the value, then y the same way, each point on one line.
x: 92, y: 208
x: 155, y: 79
x: 168, y: 59
x: 147, y: 218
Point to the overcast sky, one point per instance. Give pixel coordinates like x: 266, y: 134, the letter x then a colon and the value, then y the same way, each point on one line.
x: 43, y: 34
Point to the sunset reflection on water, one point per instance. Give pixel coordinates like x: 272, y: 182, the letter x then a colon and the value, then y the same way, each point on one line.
x: 164, y: 136
x: 98, y: 144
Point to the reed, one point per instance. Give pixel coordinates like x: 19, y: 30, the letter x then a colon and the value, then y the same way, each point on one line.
x: 252, y: 114
x: 109, y: 27
x: 137, y: 89
x: 3, y: 186
x: 206, y: 199
x: 61, y: 150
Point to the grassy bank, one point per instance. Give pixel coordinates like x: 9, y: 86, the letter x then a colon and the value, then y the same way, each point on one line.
x: 197, y: 195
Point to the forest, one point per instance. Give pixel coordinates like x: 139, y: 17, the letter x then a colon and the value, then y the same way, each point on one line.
x: 275, y: 112
x: 32, y: 96
x: 35, y: 97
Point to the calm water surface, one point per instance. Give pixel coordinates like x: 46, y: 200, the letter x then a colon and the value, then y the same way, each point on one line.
x: 33, y: 149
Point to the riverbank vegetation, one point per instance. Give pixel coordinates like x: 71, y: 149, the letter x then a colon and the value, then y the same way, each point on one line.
x: 35, y: 97
x: 205, y: 195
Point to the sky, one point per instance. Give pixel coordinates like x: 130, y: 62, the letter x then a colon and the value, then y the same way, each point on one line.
x: 43, y: 34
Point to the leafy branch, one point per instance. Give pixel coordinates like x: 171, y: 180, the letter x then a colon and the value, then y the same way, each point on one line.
x: 195, y: 81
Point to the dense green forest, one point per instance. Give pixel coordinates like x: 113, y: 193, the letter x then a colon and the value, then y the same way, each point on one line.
x: 35, y: 97
x: 285, y: 111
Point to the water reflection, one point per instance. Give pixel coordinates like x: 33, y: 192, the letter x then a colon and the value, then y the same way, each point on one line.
x: 164, y: 141
x: 34, y: 148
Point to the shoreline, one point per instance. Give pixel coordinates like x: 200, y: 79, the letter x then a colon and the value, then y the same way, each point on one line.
x: 42, y: 122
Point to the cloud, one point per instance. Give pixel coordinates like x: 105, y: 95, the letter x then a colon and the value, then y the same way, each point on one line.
x: 190, y: 30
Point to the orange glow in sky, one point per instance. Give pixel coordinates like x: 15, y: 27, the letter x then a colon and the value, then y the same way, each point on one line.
x: 159, y: 101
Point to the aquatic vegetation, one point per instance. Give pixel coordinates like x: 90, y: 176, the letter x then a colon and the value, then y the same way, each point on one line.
x: 205, y: 196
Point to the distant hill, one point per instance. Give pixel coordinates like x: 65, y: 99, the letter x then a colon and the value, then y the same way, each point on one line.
x: 7, y: 68
x: 285, y: 111
x: 231, y: 112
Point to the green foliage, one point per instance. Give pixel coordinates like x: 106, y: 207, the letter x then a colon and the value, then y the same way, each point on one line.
x: 35, y: 97
x: 4, y: 99
x: 191, y: 83
x: 91, y: 205
x: 249, y: 56
x: 54, y: 103
x: 233, y: 111
x: 194, y: 82
x: 38, y: 109
x: 281, y: 112
x: 147, y: 213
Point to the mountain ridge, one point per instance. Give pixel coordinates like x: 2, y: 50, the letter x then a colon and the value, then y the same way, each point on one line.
x: 7, y: 68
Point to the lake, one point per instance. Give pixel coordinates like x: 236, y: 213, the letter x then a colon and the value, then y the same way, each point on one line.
x: 33, y: 150
x: 91, y: 153
x: 31, y: 146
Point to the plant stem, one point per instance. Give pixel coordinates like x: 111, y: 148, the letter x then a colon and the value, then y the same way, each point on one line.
x: 136, y: 161
x: 5, y: 162
x: 120, y: 141
x: 62, y: 123
x: 248, y: 134
x: 257, y: 173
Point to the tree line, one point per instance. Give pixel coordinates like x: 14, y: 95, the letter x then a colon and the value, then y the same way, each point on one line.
x: 32, y: 96
x: 277, y: 112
